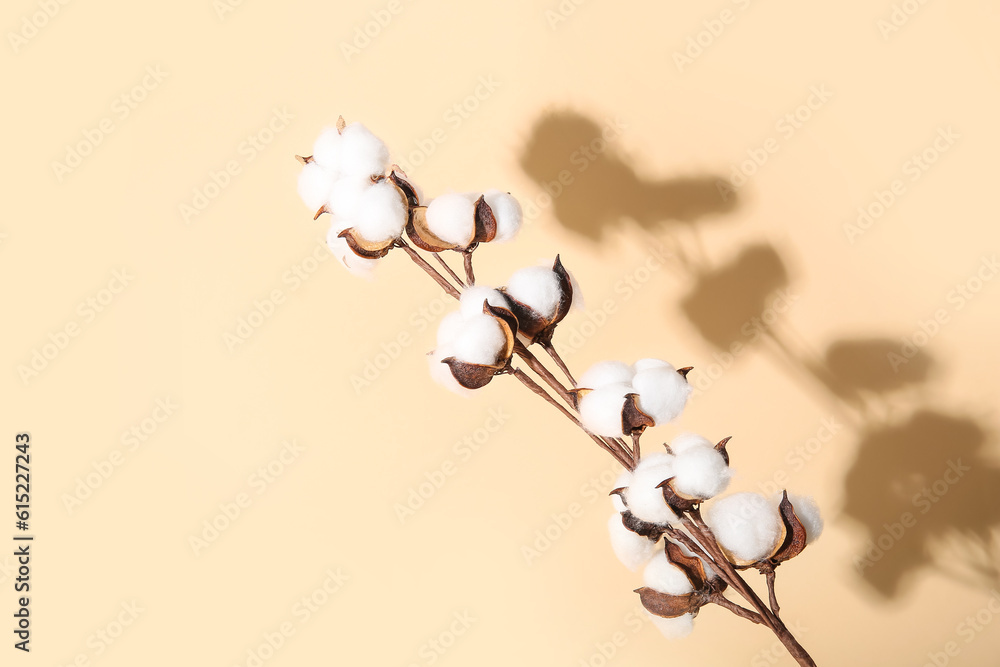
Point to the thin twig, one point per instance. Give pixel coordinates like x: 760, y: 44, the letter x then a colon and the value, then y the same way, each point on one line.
x: 742, y: 612
x: 470, y: 276
x: 635, y: 447
x: 430, y: 270
x: 447, y: 268
x: 550, y: 348
x: 769, y: 575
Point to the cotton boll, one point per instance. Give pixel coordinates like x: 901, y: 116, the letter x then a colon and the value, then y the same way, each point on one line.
x: 507, y: 212
x: 808, y: 513
x: 604, y: 373
x: 674, y: 628
x: 327, y: 149
x: 601, y: 410
x: 359, y: 266
x: 646, y: 364
x: 662, y: 393
x: 450, y: 328
x: 315, y: 183
x: 663, y: 576
x: 452, y: 217
x: 632, y: 549
x: 709, y: 572
x: 686, y: 441
x: 346, y: 196
x: 536, y: 287
x: 362, y: 154
x: 700, y: 472
x: 381, y: 213
x: 480, y: 341
x: 621, y: 483
x: 441, y: 372
x: 643, y: 497
x: 474, y: 296
x: 747, y: 524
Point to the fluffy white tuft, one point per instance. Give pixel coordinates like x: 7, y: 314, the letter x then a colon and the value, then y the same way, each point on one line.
x: 621, y: 483
x: 678, y: 627
x: 346, y: 196
x: 449, y: 328
x: 315, y: 184
x: 359, y: 266
x: 647, y: 363
x: 604, y: 373
x: 747, y: 524
x: 701, y: 472
x: 808, y: 512
x: 601, y: 410
x: 536, y: 287
x: 362, y: 154
x: 327, y: 149
x: 480, y: 340
x: 381, y: 213
x: 441, y: 373
x: 663, y: 576
x: 474, y: 296
x: 632, y: 549
x: 452, y: 217
x: 687, y: 440
x: 662, y: 393
x: 507, y: 212
x: 644, y: 500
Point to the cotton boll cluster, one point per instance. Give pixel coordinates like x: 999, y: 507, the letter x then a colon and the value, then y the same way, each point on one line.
x: 632, y: 549
x: 747, y: 525
x: 700, y: 471
x: 643, y: 497
x: 471, y: 336
x: 661, y: 393
x: 460, y: 219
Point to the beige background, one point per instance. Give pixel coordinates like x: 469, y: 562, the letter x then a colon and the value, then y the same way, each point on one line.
x: 332, y: 507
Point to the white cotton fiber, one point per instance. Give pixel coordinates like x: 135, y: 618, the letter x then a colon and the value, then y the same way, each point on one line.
x: 474, y: 296
x: 662, y: 393
x: 808, y: 513
x: 480, y: 341
x: 686, y: 441
x: 632, y: 549
x: 362, y: 154
x: 449, y: 328
x: 536, y: 287
x: 452, y: 217
x: 346, y: 196
x: 663, y: 576
x: 622, y: 482
x: 644, y: 500
x: 327, y: 149
x: 507, y: 212
x: 604, y: 373
x: 747, y: 524
x: 674, y: 628
x: 381, y: 213
x: 359, y: 266
x: 601, y: 410
x: 315, y: 184
x: 700, y: 472
x: 646, y: 364
x: 441, y: 372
